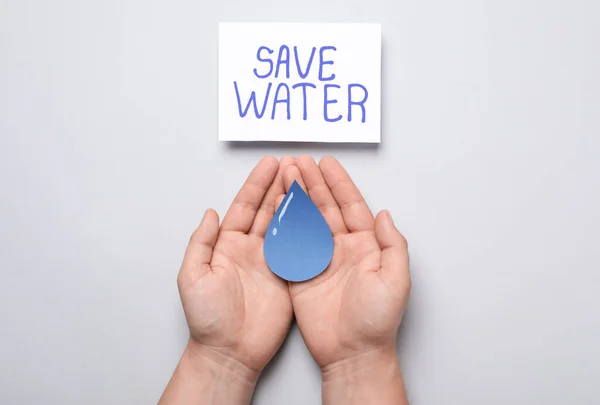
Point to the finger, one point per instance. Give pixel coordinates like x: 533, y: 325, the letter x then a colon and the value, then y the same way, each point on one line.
x: 267, y: 207
x: 242, y: 211
x: 198, y: 254
x: 321, y: 195
x: 279, y: 201
x: 394, y: 253
x: 291, y: 174
x: 356, y: 213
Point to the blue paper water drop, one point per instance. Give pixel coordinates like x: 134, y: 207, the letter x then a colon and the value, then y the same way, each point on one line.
x: 298, y: 242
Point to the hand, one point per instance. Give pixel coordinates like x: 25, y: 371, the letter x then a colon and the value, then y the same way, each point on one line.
x: 237, y: 310
x: 349, y: 315
x: 234, y: 304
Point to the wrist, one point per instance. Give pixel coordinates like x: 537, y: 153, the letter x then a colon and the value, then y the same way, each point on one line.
x: 204, y: 357
x: 376, y: 360
x: 204, y: 375
x: 370, y: 377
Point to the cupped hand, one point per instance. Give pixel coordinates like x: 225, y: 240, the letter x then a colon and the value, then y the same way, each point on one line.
x: 355, y: 306
x: 237, y: 310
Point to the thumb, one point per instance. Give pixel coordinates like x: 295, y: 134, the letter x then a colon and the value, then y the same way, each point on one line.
x: 198, y: 254
x: 394, y: 253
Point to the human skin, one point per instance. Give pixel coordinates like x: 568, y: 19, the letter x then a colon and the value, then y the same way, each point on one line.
x: 348, y: 316
x: 228, y: 295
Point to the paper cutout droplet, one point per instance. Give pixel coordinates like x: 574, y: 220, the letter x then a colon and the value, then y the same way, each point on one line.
x: 298, y: 242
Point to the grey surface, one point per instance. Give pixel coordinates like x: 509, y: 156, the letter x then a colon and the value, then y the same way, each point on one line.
x: 489, y: 164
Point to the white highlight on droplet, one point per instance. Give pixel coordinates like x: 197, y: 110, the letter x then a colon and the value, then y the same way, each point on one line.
x: 274, y: 231
x: 286, y: 206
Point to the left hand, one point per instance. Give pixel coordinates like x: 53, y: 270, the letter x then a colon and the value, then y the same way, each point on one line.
x: 351, y: 311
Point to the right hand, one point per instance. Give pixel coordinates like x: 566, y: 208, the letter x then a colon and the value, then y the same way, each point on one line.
x: 237, y: 310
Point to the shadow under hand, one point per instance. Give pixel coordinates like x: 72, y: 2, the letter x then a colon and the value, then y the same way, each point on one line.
x: 292, y: 377
x: 274, y: 367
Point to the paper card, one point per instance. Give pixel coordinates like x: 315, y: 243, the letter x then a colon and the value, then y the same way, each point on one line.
x: 298, y: 244
x: 299, y: 82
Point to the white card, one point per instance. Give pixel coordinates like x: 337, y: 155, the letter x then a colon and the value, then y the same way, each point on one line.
x: 300, y: 82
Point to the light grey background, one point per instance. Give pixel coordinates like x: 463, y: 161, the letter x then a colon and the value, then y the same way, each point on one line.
x: 489, y: 164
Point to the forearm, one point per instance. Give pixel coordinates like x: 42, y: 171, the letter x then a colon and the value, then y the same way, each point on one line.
x: 371, y: 378
x: 207, y: 378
